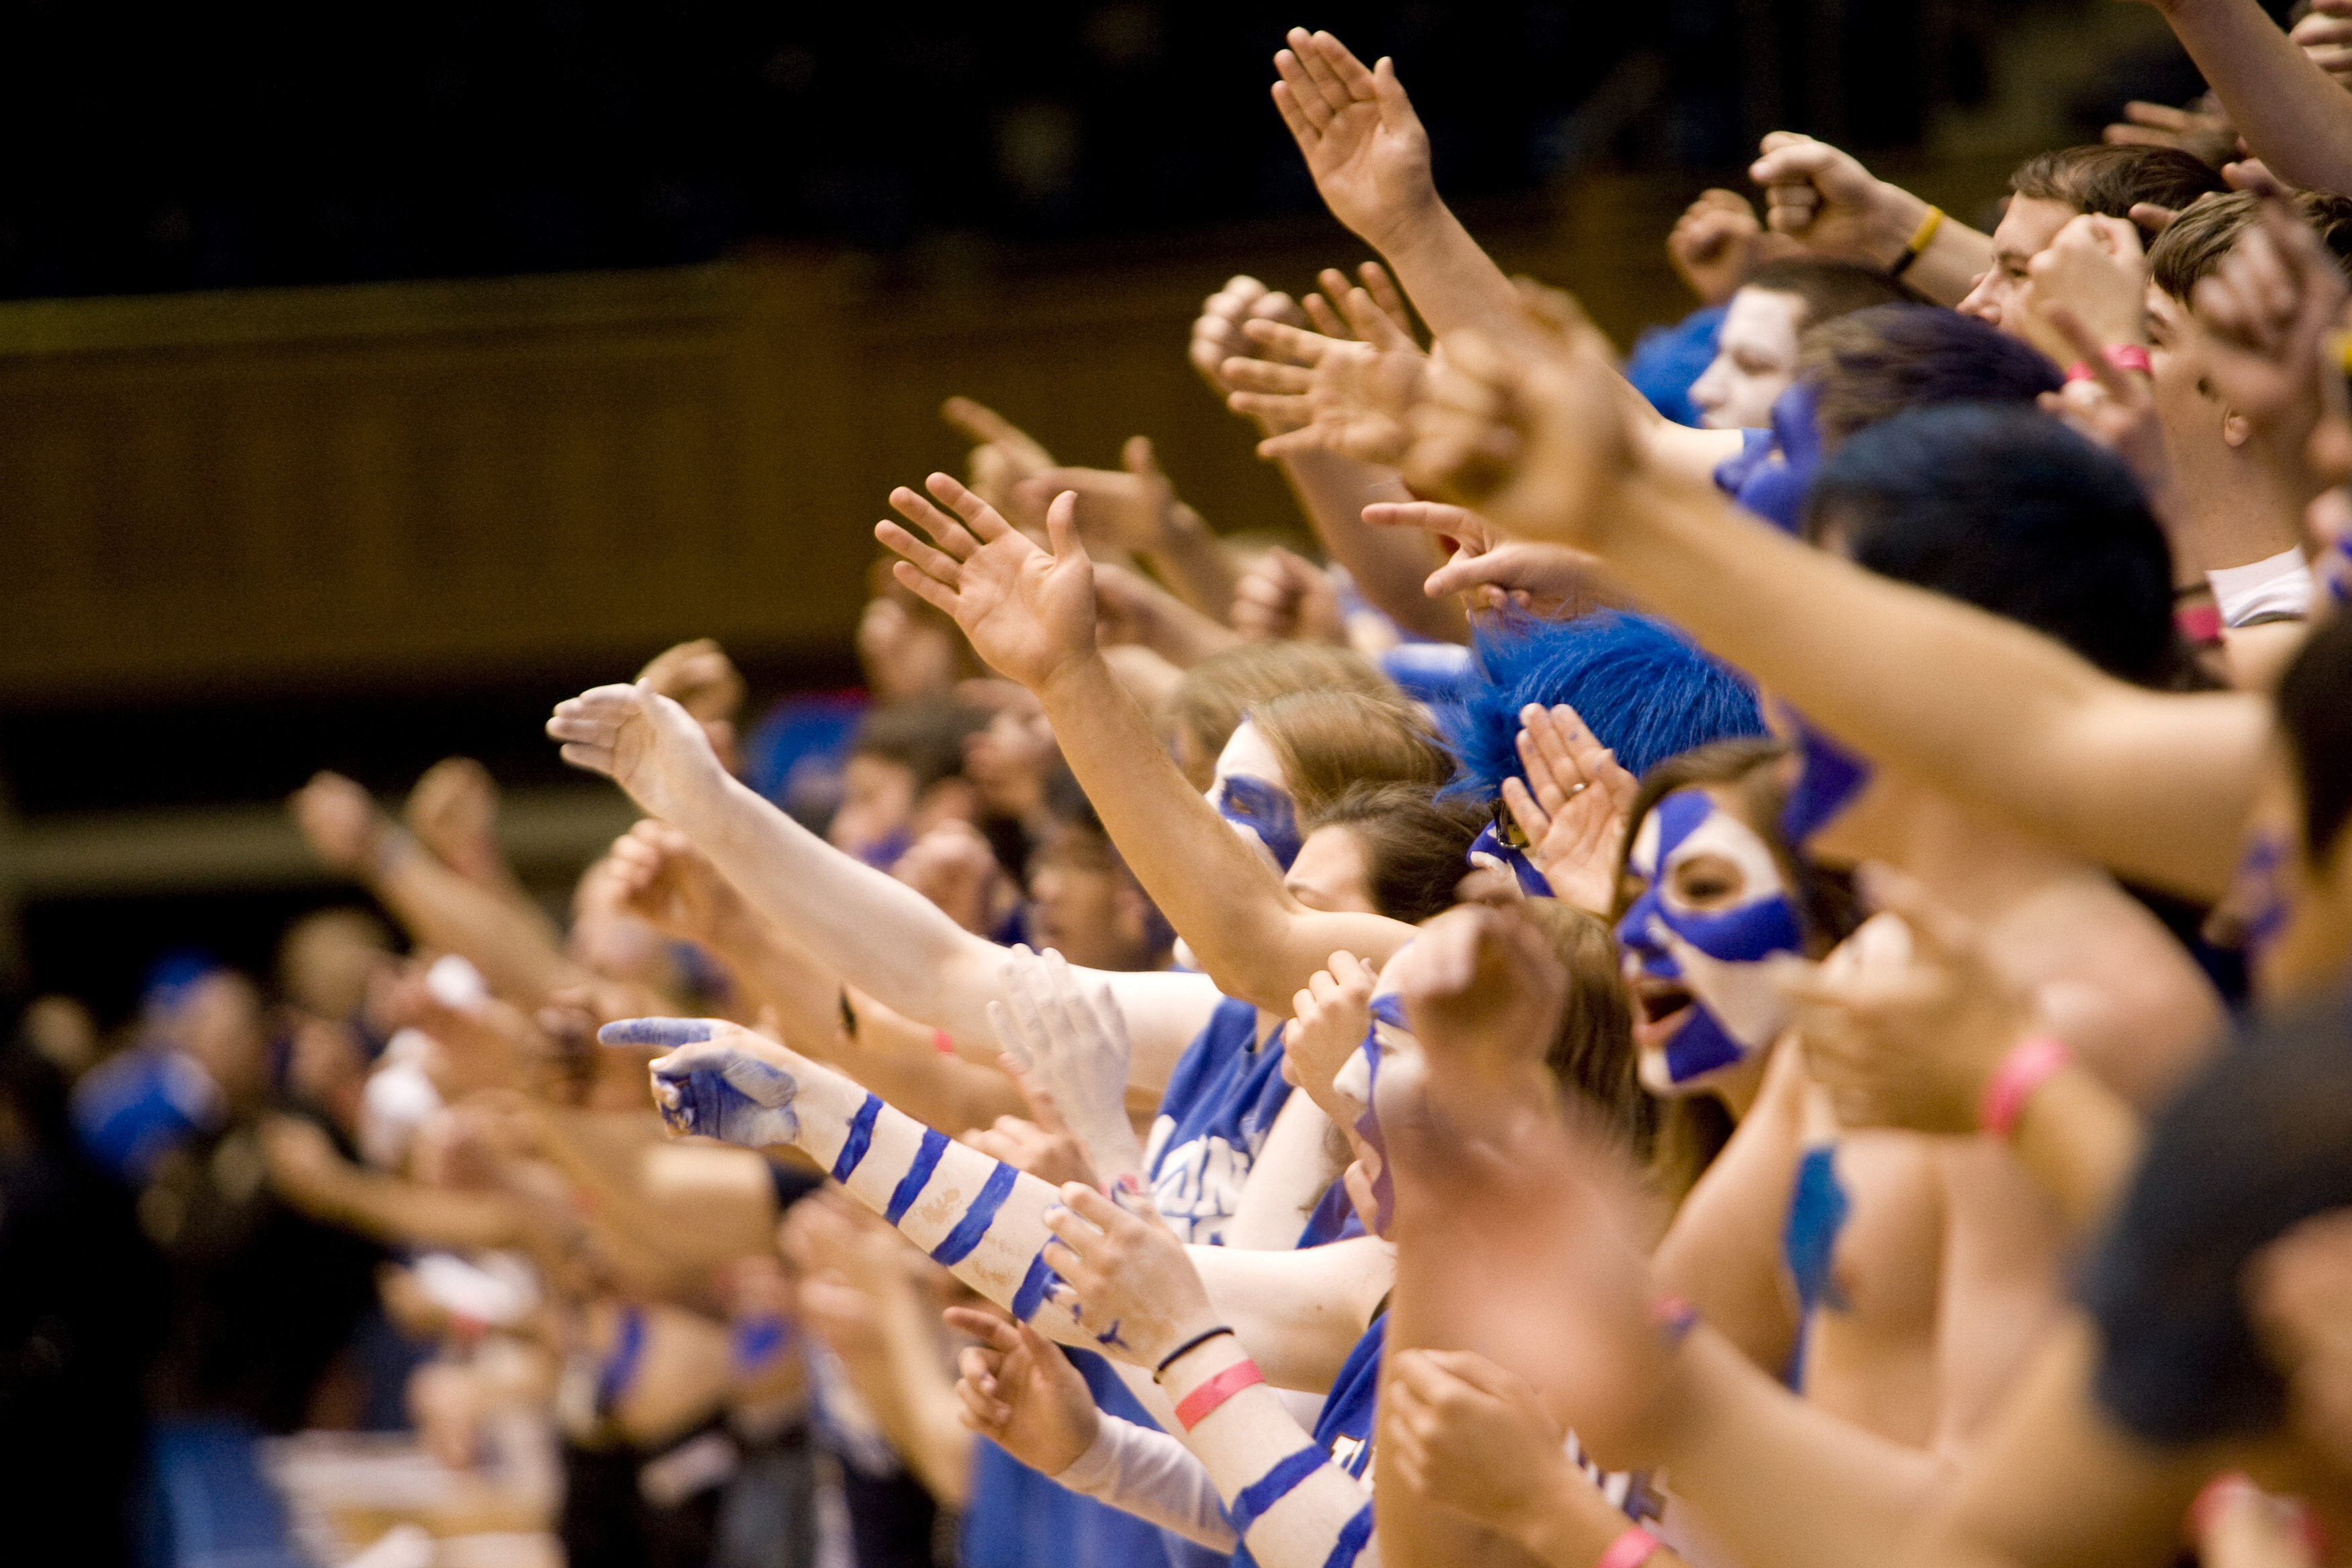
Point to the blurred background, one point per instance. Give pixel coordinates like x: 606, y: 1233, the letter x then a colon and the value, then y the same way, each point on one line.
x: 372, y: 378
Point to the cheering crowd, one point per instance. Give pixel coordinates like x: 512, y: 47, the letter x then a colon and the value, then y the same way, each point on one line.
x: 1748, y: 971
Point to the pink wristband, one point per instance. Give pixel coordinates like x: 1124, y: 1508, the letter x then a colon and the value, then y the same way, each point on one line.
x: 2198, y: 623
x: 2027, y: 1066
x: 1195, y: 1407
x: 943, y: 1042
x: 1630, y: 1549
x: 2123, y: 356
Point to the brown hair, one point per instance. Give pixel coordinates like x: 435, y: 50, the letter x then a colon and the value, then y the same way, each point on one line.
x: 925, y: 735
x: 1214, y: 694
x: 2109, y: 181
x: 2193, y: 246
x: 1591, y: 1052
x: 1415, y: 846
x: 1327, y: 741
x: 1828, y: 289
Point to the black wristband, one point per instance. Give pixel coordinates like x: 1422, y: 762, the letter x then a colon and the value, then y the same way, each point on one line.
x: 1187, y: 1348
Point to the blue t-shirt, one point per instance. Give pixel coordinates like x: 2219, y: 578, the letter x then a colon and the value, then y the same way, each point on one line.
x: 1221, y: 1103
x: 1015, y: 1518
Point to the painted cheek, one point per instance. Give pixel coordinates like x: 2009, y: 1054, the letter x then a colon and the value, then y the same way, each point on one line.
x: 1749, y: 934
x: 1635, y: 936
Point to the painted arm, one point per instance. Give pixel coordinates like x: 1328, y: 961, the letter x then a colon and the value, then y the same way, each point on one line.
x: 2155, y: 785
x: 880, y: 935
x: 2295, y: 117
x: 1031, y: 616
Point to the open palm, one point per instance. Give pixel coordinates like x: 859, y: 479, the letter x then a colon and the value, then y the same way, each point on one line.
x: 1362, y: 142
x: 1029, y: 613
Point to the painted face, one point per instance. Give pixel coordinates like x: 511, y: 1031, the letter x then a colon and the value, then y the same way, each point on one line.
x: 1390, y: 1061
x: 1831, y: 779
x: 1755, y: 361
x: 1501, y: 845
x: 1250, y: 793
x: 1699, y: 941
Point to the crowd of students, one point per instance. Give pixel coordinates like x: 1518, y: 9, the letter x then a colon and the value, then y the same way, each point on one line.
x: 1749, y: 971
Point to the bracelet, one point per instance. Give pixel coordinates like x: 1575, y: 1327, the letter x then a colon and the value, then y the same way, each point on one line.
x: 2123, y: 356
x: 1630, y: 1549
x: 1921, y: 238
x: 1198, y: 1405
x: 943, y: 1042
x: 1187, y: 1348
x: 2029, y: 1065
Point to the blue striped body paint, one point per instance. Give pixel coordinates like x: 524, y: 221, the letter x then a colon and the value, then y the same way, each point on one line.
x: 1353, y: 1536
x: 1034, y: 1286
x: 1250, y: 1504
x: 910, y: 1185
x: 860, y: 1139
x: 958, y: 1244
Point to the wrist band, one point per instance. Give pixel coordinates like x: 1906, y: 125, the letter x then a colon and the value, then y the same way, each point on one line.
x: 1196, y: 1406
x: 1187, y: 1348
x: 1630, y: 1549
x: 943, y: 1042
x: 2123, y: 356
x: 2200, y: 624
x: 1921, y: 238
x: 2027, y: 1066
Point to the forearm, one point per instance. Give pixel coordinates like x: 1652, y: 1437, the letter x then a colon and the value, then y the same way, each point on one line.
x: 439, y: 909
x: 1219, y: 893
x: 1195, y: 564
x: 402, y: 1213
x: 1449, y: 277
x: 2291, y: 113
x: 1569, y: 1524
x: 1153, y: 1477
x: 1389, y: 564
x: 2080, y: 1142
x: 1297, y: 1313
x: 874, y: 931
x: 2156, y: 785
x: 918, y: 1404
x: 1288, y: 1501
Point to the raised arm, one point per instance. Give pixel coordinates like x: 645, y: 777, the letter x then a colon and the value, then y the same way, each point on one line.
x: 877, y: 933
x: 2155, y: 785
x: 1031, y: 614
x: 2295, y: 117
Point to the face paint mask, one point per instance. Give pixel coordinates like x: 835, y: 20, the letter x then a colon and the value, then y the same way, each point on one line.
x: 1502, y: 847
x: 1248, y: 794
x: 1359, y: 1079
x: 1720, y: 957
x: 1831, y: 779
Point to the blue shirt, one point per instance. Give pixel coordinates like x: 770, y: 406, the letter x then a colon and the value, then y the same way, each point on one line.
x: 1220, y: 1104
x: 1015, y: 1518
x: 1344, y: 1430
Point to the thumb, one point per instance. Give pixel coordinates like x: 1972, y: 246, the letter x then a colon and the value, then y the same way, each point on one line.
x: 1062, y: 531
x: 1395, y: 107
x: 1138, y: 458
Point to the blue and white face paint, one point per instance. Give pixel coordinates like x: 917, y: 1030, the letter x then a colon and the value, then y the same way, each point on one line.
x: 1501, y: 847
x: 1250, y: 793
x: 1391, y: 1052
x: 1699, y: 942
x: 1832, y: 779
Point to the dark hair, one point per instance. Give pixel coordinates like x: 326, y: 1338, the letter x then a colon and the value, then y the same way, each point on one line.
x: 2194, y: 244
x: 2109, y: 180
x: 2015, y: 513
x: 1416, y: 847
x: 1870, y: 365
x: 924, y: 735
x: 1828, y: 289
x: 2317, y: 723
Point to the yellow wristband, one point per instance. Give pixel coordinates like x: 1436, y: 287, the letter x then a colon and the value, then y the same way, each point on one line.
x: 1921, y: 239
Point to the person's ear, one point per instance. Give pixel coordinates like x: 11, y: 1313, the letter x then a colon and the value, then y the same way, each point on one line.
x: 2236, y: 429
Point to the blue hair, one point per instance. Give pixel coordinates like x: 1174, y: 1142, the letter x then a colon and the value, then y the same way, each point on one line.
x: 1641, y: 688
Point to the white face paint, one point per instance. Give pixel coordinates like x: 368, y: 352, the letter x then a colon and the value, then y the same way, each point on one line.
x: 1250, y: 792
x: 1755, y: 361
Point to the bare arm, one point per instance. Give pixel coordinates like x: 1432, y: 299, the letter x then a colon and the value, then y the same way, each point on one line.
x: 1388, y: 564
x: 2296, y: 118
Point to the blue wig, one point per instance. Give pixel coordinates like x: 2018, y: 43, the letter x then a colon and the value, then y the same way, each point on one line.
x: 1643, y: 690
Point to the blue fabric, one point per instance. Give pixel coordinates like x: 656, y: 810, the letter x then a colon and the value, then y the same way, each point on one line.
x: 1220, y: 1104
x: 208, y: 1502
x: 1334, y: 1219
x: 794, y: 755
x: 133, y: 1110
x: 1431, y: 671
x: 1667, y: 362
x: 1343, y: 1433
x: 1016, y: 1518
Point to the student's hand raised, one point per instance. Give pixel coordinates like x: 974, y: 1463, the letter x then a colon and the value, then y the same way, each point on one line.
x: 1347, y: 397
x: 718, y: 1079
x: 1128, y: 1280
x: 1824, y: 199
x: 1361, y: 140
x: 1075, y: 1053
x: 673, y: 887
x: 1718, y: 241
x: 1573, y: 808
x: 1907, y: 1022
x: 1131, y: 508
x: 1284, y: 598
x: 1020, y: 1392
x: 1328, y: 1020
x: 2267, y: 310
x: 2202, y: 133
x: 1029, y: 614
x: 1483, y: 993
x: 1218, y: 333
x: 642, y: 742
x: 2095, y: 268
x: 1472, y: 1435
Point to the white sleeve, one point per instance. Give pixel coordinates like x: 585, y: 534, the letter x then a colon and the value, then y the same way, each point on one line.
x: 2280, y: 586
x: 1153, y: 1477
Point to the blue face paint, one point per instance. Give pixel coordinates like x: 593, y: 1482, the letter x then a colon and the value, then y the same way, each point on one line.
x: 1712, y: 954
x: 1818, y: 1208
x: 1264, y: 810
x: 1490, y: 848
x: 1831, y: 778
x: 1388, y: 1013
x: 2258, y: 894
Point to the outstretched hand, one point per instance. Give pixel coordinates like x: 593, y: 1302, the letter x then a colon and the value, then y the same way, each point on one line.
x: 642, y: 742
x: 1219, y: 335
x: 2205, y: 134
x: 1348, y: 396
x: 718, y: 1079
x: 1573, y: 807
x: 1130, y: 508
x: 1361, y: 140
x: 1029, y: 614
x: 1129, y: 1282
x: 1909, y: 1019
x: 1020, y: 1392
x: 1074, y: 1046
x: 1285, y: 598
